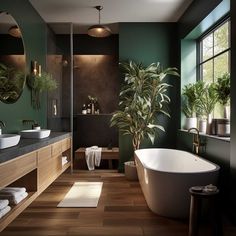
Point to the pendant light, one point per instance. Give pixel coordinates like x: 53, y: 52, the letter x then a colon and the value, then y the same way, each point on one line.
x: 99, y: 30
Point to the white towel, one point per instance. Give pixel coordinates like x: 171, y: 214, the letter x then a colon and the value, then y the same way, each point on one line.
x: 64, y: 162
x: 64, y: 158
x: 4, y: 211
x: 97, y: 156
x: 93, y: 156
x: 3, y: 203
x: 15, y: 201
x: 13, y: 189
x: 6, y: 195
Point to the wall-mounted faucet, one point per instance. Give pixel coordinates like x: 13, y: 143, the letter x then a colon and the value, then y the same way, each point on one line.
x: 34, y: 123
x: 196, y: 140
x: 2, y: 124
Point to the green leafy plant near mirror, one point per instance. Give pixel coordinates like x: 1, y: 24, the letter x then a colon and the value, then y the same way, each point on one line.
x: 11, y: 83
x: 142, y: 96
x: 39, y: 84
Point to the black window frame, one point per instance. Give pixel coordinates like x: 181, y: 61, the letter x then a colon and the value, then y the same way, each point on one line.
x: 200, y: 62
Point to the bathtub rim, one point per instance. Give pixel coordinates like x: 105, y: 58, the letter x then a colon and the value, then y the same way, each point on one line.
x: 217, y: 167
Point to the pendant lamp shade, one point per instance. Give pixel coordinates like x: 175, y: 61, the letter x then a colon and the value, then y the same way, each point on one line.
x: 99, y: 30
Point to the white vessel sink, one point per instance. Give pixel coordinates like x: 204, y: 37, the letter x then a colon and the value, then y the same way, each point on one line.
x: 34, y: 133
x: 9, y: 140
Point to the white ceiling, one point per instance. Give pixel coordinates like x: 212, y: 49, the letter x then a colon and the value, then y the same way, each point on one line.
x: 83, y: 14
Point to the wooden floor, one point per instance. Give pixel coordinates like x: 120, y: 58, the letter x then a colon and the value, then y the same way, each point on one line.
x: 122, y: 210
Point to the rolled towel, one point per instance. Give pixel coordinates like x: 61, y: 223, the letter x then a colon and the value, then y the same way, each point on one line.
x: 13, y: 189
x: 7, y: 195
x: 3, y: 203
x: 15, y: 201
x: 4, y: 211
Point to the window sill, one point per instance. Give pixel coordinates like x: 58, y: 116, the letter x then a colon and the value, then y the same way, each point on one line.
x: 225, y: 139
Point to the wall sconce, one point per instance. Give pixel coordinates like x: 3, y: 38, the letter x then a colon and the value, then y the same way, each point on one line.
x: 54, y: 107
x: 14, y: 31
x: 36, y: 69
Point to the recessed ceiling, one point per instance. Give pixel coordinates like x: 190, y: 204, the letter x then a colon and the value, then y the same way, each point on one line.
x: 83, y: 14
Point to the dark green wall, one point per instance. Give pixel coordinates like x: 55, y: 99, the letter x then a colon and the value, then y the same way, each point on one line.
x: 34, y: 35
x: 148, y: 43
x: 217, y: 151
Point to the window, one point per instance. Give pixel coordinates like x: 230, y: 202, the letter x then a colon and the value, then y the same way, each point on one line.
x: 214, y: 58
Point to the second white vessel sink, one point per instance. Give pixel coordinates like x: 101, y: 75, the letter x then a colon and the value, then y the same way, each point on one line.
x: 34, y: 133
x: 9, y: 140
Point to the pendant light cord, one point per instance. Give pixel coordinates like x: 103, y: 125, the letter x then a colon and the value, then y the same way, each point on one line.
x: 99, y: 8
x: 99, y: 18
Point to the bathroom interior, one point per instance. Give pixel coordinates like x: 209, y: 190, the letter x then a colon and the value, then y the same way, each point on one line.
x: 184, y: 176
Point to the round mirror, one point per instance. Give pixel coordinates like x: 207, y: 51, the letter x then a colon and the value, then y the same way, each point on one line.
x: 12, y: 60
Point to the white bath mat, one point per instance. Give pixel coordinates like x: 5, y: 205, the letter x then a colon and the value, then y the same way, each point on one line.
x: 82, y: 194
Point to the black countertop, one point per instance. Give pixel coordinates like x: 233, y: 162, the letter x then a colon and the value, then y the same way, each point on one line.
x: 28, y: 145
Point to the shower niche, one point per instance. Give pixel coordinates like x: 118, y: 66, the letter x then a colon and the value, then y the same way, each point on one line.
x: 95, y: 76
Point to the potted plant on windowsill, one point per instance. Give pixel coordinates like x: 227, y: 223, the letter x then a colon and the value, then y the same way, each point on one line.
x: 189, y: 100
x: 142, y: 96
x: 206, y: 101
x: 222, y: 89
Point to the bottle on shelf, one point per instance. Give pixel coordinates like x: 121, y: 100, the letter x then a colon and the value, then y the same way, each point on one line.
x: 84, y: 109
x: 92, y: 108
x: 96, y: 108
x: 89, y: 109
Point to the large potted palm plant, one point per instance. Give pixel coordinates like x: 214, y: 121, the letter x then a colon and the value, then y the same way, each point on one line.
x: 142, y: 96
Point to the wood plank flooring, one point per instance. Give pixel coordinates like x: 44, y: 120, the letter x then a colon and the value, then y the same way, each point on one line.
x: 122, y: 211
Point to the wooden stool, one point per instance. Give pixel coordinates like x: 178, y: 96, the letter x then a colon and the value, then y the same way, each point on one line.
x: 198, y: 194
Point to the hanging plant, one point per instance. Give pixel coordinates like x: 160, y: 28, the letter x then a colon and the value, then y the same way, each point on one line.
x: 38, y: 84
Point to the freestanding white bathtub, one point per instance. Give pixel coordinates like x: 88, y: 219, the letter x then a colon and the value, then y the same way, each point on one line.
x: 165, y: 176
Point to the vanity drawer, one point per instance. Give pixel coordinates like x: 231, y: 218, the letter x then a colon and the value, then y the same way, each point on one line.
x: 65, y: 145
x: 57, y: 149
x: 44, y: 154
x: 16, y: 168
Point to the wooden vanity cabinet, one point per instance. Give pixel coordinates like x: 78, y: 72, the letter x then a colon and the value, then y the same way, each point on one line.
x: 35, y: 171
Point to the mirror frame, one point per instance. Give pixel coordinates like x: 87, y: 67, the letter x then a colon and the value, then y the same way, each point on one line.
x: 20, y: 73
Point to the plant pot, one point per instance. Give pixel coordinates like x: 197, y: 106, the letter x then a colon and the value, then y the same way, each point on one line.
x: 190, y: 123
x: 227, y: 112
x: 208, y: 128
x: 223, y: 127
x: 131, y: 171
x: 202, y: 125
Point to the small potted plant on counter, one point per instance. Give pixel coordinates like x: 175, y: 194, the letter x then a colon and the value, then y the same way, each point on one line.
x: 142, y: 96
x: 189, y: 101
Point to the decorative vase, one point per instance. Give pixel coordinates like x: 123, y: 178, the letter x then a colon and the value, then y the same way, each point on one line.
x: 202, y: 126
x: 190, y: 123
x: 131, y: 171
